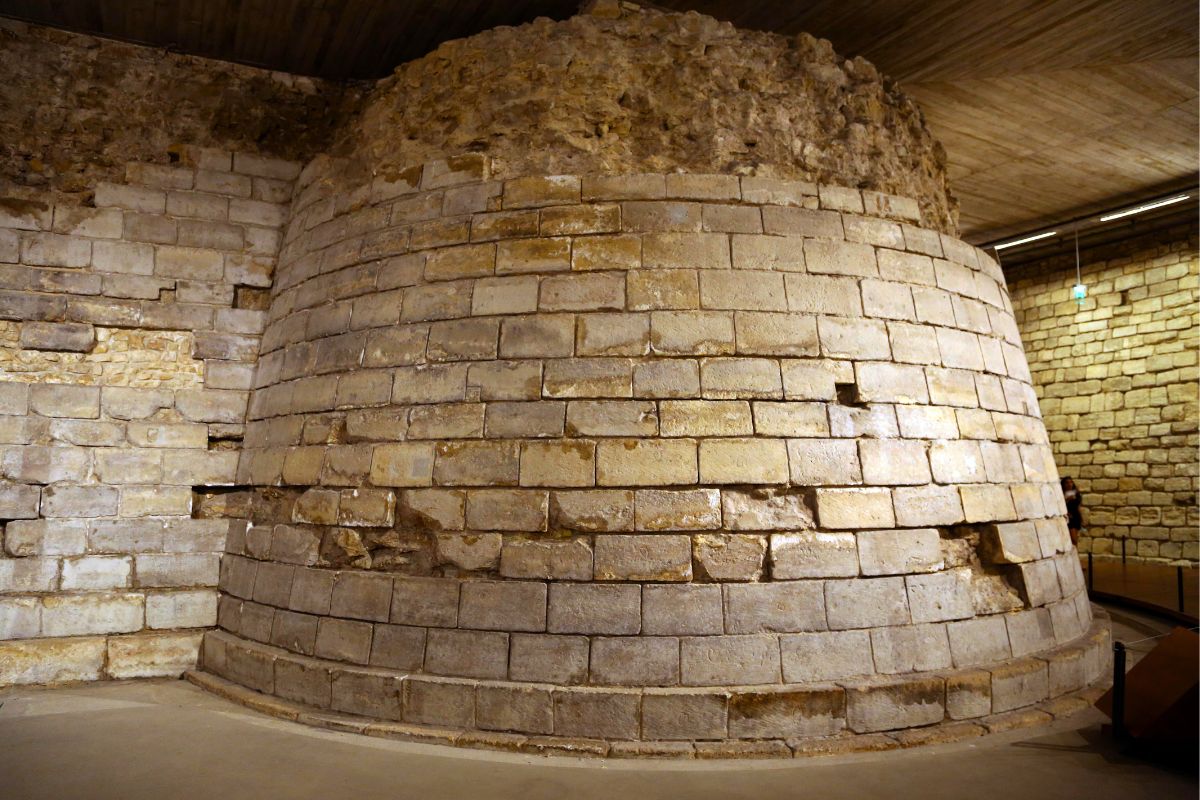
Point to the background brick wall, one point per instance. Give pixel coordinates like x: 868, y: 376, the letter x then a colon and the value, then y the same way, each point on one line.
x: 1117, y: 382
x: 128, y: 334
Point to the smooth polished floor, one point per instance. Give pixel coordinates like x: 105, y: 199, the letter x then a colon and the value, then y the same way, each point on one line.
x: 168, y: 739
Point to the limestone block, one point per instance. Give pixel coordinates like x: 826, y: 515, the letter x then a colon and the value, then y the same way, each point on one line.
x: 940, y: 596
x: 927, y: 505
x: 341, y: 639
x: 780, y: 713
x: 1066, y: 671
x: 1019, y: 683
x: 612, y: 418
x: 477, y: 464
x: 557, y: 464
x: 749, y: 291
x: 58, y: 336
x: 666, y: 378
x: 506, y: 380
x: 612, y: 335
x: 987, y: 503
x: 729, y: 556
x: 467, y: 654
x: 743, y: 461
x: 890, y: 383
x: 425, y: 601
x: 952, y: 387
x: 685, y: 250
x: 692, y: 333
x: 663, y: 557
x: 894, y: 462
x: 96, y: 573
x: 583, y: 292
x: 595, y: 712
x: 36, y: 464
x: 177, y: 569
x: 592, y: 511
x: 683, y: 714
x: 292, y: 631
x: 790, y: 419
x: 733, y: 378
x: 503, y: 605
x: 433, y: 701
x: 874, y: 421
x: 705, y: 418
x: 74, y: 615
x: 35, y: 537
x: 616, y: 251
x: 777, y: 606
x: 1030, y: 631
x: 764, y: 509
x: 652, y: 290
x: 866, y: 603
x: 151, y: 501
x: 516, y: 256
x: 1038, y: 581
x: 591, y: 377
x: 855, y: 508
x: 469, y: 551
x: 803, y: 221
x: 557, y: 560
x: 540, y: 420
x: 360, y: 595
x: 887, y: 300
x: 673, y: 510
x: 898, y: 703
x: 910, y: 648
x: 729, y: 660
x: 825, y: 656
x: 979, y: 641
x: 968, y: 694
x: 152, y: 656
x: 643, y: 462
x: 20, y: 617
x: 61, y: 400
x: 635, y: 661
x: 1009, y: 543
x: 899, y: 552
x: 524, y: 709
x: 957, y: 462
x: 813, y: 555
x: 507, y: 509
x: 594, y: 608
x: 680, y: 610
x: 913, y: 344
x: 302, y: 681
x: 48, y: 661
x: 823, y: 462
x: 541, y: 658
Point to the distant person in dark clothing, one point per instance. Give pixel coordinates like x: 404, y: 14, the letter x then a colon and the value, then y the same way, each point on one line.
x: 1074, y: 501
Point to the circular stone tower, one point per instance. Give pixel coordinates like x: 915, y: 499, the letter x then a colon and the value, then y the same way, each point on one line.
x: 625, y: 390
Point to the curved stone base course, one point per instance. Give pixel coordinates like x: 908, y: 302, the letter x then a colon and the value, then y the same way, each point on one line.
x: 747, y: 722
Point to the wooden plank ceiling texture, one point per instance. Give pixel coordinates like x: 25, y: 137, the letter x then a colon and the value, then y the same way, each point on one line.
x: 1048, y: 109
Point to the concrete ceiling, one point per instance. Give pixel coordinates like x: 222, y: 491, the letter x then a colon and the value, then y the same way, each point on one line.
x: 1048, y: 109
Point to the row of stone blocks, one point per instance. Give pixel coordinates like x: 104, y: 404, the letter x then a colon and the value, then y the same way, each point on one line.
x: 628, y: 634
x: 784, y: 714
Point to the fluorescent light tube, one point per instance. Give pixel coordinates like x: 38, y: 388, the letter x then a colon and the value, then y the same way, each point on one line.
x: 1023, y: 241
x: 1146, y: 207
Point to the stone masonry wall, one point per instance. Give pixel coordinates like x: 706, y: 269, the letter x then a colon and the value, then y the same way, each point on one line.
x: 644, y: 457
x: 624, y: 89
x: 76, y: 109
x: 128, y: 334
x: 1117, y: 381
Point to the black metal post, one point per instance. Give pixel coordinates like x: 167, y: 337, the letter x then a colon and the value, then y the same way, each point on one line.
x: 1118, y: 704
x: 1179, y: 586
x: 1091, y: 575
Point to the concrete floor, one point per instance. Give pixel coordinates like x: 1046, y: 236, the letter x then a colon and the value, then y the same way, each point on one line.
x: 168, y: 739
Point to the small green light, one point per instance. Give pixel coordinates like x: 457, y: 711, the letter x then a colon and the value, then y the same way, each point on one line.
x: 1079, y: 291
